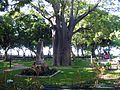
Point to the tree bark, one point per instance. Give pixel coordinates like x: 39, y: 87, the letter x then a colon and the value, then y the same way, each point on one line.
x: 61, y: 48
x: 39, y: 53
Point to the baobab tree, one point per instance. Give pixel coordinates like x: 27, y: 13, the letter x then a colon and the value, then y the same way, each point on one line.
x: 63, y: 16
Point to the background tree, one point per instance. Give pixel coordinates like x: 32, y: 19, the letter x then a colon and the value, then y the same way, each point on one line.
x: 98, y: 30
x: 8, y: 35
x: 79, y: 41
x: 33, y: 32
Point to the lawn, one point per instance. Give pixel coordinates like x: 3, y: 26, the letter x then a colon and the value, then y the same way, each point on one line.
x: 79, y: 73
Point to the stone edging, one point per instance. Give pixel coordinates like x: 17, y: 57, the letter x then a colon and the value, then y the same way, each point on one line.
x: 17, y: 75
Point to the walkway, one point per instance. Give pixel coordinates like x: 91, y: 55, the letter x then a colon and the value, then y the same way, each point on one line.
x: 16, y: 67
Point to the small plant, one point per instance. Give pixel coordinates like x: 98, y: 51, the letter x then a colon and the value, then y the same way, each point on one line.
x: 29, y: 82
x: 108, y: 65
x: 99, y: 69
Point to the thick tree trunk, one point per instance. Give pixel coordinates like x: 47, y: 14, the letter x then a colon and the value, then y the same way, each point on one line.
x: 39, y: 53
x: 61, y: 48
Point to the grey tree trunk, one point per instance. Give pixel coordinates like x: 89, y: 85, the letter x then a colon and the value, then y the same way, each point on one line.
x: 61, y: 48
x: 39, y: 53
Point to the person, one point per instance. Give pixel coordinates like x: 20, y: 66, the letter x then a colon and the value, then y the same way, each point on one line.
x: 107, y: 55
x: 102, y: 55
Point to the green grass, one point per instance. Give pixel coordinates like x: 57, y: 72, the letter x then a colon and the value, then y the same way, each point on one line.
x: 80, y: 72
x: 25, y: 62
x: 77, y: 73
x: 29, y: 63
x: 4, y: 65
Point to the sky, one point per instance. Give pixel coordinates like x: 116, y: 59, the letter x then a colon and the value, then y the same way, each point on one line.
x: 114, y: 7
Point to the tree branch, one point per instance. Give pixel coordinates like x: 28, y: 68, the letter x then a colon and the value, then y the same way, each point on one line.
x: 80, y: 30
x: 71, y: 9
x: 43, y: 13
x: 71, y: 21
x: 85, y: 14
x: 33, y: 50
x: 77, y: 9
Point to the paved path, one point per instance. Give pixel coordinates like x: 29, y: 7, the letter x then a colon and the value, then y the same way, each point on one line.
x: 114, y: 78
x: 16, y: 67
x: 115, y: 71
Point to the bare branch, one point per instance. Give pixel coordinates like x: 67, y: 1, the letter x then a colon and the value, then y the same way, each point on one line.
x: 77, y: 9
x: 85, y: 14
x: 80, y: 30
x: 71, y: 9
x: 43, y: 13
x: 71, y: 21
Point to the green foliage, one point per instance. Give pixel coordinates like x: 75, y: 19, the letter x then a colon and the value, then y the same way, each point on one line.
x: 4, y: 65
x: 30, y: 29
x: 108, y: 64
x: 8, y: 36
x: 101, y: 29
x: 116, y: 42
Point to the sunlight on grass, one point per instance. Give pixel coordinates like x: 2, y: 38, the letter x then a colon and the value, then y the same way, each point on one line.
x: 114, y: 75
x: 79, y: 72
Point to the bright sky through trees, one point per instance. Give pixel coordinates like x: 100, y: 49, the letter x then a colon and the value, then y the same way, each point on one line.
x: 113, y: 7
